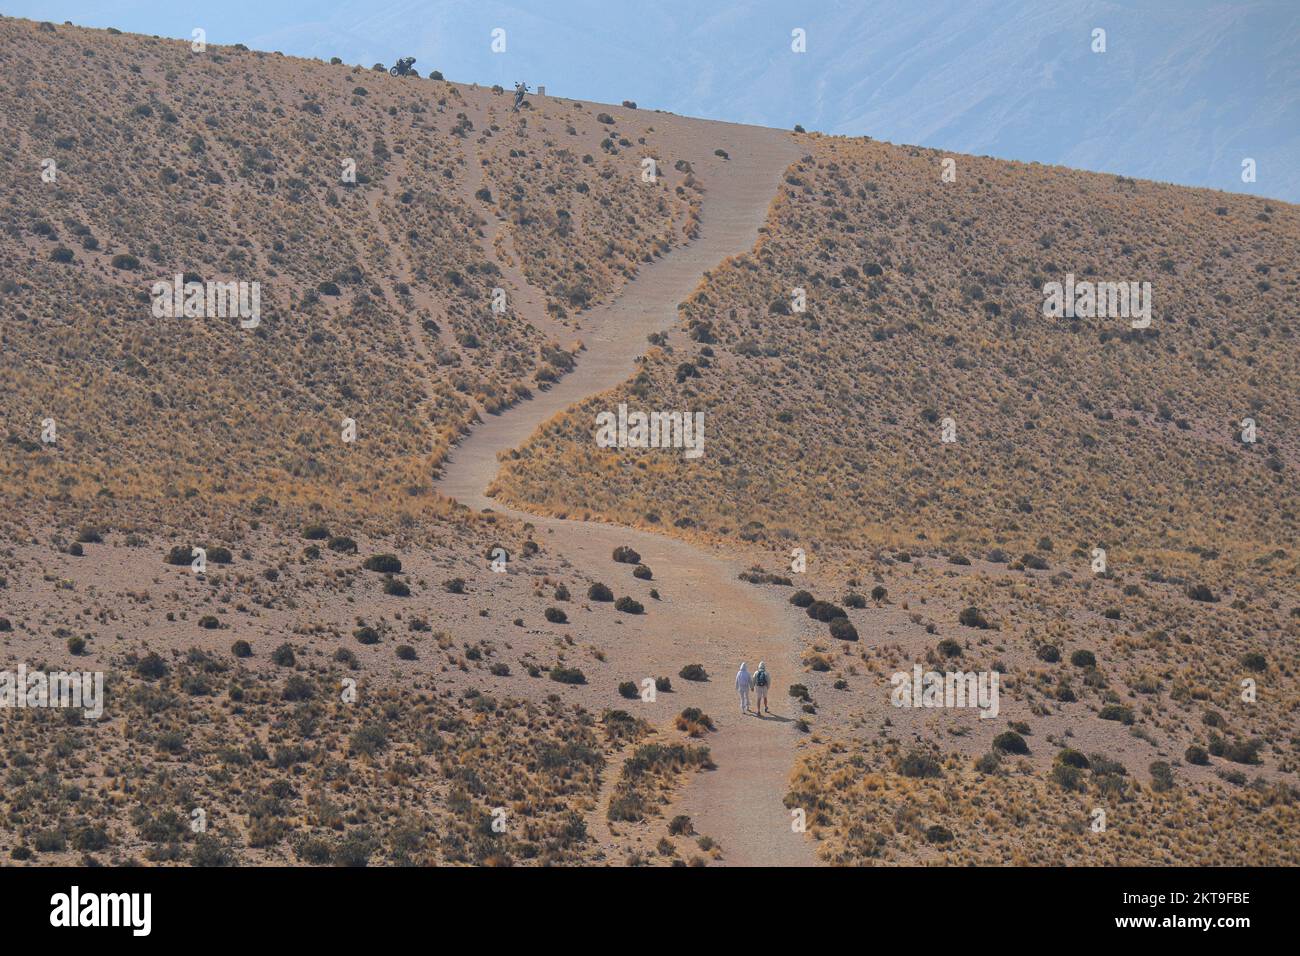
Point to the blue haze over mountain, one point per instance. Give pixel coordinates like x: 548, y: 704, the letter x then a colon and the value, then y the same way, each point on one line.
x: 1184, y: 92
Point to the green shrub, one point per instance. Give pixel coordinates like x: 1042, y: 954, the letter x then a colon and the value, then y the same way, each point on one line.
x: 1067, y: 777
x: 1117, y: 712
x: 1243, y: 751
x: 1072, y: 758
x: 1083, y: 659
x: 938, y: 834
x: 369, y: 739
x: 843, y: 630
x: 179, y: 555
x: 625, y: 555
x: 283, y: 655
x: 801, y: 599
x: 556, y: 616
x: 151, y: 666
x: 241, y: 649
x: 1162, y: 776
x: 971, y: 617
x: 1010, y: 742
x: 989, y: 763
x: 919, y: 764
x: 50, y: 841
x: 692, y: 718
x: 568, y: 675
x: 599, y: 592
x: 824, y: 611
x: 91, y: 839
x: 384, y: 563
x: 694, y: 672
x: 627, y: 808
x: 629, y: 606
x: 297, y: 688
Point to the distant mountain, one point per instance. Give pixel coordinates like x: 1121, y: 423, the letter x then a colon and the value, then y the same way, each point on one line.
x: 1184, y: 92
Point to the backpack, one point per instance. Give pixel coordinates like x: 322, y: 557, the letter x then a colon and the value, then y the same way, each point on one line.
x: 760, y: 679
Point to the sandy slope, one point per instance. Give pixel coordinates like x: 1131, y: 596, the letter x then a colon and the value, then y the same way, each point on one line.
x: 715, y: 619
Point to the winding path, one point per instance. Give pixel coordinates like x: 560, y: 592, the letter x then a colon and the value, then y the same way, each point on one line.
x: 707, y: 615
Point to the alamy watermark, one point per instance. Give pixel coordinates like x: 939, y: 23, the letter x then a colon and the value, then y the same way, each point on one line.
x: 75, y: 908
x: 83, y: 690
x: 1088, y: 300
x: 178, y: 299
x: 951, y: 689
x: 624, y: 429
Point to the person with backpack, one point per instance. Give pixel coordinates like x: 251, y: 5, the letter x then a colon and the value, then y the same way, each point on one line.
x: 743, y: 683
x: 761, y: 681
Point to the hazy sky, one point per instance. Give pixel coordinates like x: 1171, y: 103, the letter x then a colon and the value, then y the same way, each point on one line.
x: 1185, y: 90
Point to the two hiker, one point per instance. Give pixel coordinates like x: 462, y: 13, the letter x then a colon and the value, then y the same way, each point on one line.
x: 759, y: 681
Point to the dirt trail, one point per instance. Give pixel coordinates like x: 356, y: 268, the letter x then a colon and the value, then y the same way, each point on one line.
x: 707, y: 615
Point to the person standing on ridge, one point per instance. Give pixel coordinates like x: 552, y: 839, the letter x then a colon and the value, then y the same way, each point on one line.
x: 743, y: 683
x: 761, y: 681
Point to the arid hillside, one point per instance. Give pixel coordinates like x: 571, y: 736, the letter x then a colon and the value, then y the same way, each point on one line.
x: 365, y: 207
x: 1105, y: 515
x: 350, y: 679
x: 332, y: 632
x: 924, y: 302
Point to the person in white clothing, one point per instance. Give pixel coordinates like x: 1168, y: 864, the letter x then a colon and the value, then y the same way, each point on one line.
x: 743, y: 683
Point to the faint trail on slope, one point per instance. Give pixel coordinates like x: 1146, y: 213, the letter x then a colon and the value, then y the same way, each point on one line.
x: 708, y: 616
x: 526, y: 301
